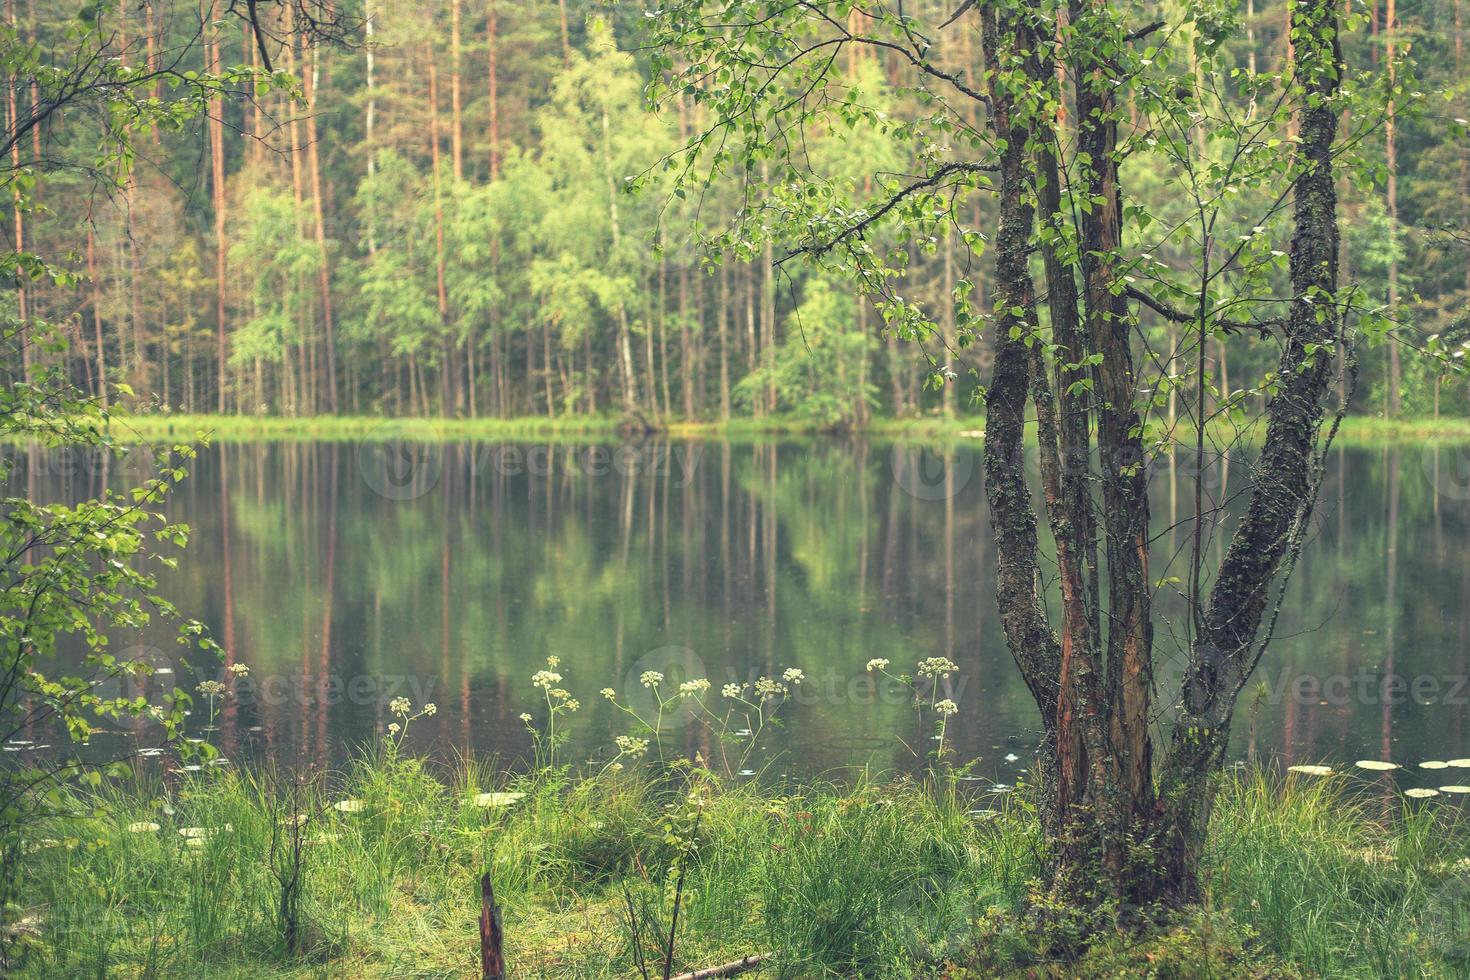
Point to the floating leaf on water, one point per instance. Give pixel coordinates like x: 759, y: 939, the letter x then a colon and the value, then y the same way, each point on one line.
x: 1434, y: 765
x: 1311, y: 770
x: 1372, y: 855
x: 1454, y: 789
x: 1420, y: 794
x: 1012, y: 757
x: 498, y: 799
x: 747, y: 772
x: 193, y: 768
x: 1376, y: 765
x: 984, y: 814
x: 199, y: 833
x: 1460, y: 763
x: 349, y: 806
x: 142, y: 827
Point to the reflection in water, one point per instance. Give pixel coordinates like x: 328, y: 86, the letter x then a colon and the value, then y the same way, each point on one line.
x: 346, y: 576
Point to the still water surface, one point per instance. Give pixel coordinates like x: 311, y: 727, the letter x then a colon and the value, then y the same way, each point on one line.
x: 349, y: 574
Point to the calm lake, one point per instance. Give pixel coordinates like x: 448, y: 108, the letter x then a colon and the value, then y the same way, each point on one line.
x: 347, y: 574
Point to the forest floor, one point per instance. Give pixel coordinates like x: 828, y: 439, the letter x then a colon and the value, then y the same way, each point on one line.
x: 183, y: 875
x: 1356, y: 429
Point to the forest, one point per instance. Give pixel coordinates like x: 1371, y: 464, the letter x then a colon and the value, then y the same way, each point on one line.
x: 822, y: 488
x: 430, y: 219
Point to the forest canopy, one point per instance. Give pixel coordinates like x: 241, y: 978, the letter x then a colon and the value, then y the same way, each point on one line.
x: 469, y: 209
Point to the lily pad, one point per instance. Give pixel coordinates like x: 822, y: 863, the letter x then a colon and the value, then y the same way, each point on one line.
x: 1376, y: 765
x: 349, y: 806
x: 498, y: 799
x: 1311, y: 770
x: 1454, y: 789
x: 1420, y: 794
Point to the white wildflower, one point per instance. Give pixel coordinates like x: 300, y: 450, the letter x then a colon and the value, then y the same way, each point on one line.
x: 650, y: 678
x: 793, y: 675
x: 632, y: 747
x: 692, y: 688
x: 767, y: 688
x: 877, y: 663
x: 946, y: 707
x: 937, y: 667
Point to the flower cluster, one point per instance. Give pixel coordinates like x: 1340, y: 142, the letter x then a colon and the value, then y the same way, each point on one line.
x: 768, y: 689
x: 946, y: 707
x: 693, y: 688
x: 877, y: 663
x: 546, y: 679
x: 650, y: 678
x: 937, y: 667
x: 239, y: 670
x: 632, y: 747
x: 403, y: 708
x: 211, y: 689
x: 732, y: 690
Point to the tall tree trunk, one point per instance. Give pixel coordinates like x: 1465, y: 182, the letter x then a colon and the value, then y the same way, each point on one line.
x: 21, y: 293
x: 1390, y: 133
x: 102, y: 392
x: 492, y: 50
x: 324, y: 276
x: 442, y: 293
x: 722, y: 320
x: 456, y: 122
x: 217, y: 189
x: 1288, y: 472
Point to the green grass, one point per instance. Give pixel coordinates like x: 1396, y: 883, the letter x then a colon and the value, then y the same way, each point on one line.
x: 876, y: 879
x: 1356, y: 429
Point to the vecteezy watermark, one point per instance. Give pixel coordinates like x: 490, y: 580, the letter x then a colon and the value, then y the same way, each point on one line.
x: 677, y: 462
x: 317, y: 690
x: 651, y: 686
x: 1447, y: 468
x: 929, y: 470
x: 397, y: 468
x: 1364, y: 686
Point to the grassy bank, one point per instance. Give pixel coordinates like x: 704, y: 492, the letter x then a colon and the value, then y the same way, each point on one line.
x: 244, y: 428
x: 877, y: 879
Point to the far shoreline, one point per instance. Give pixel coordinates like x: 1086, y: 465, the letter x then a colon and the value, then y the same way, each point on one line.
x: 1355, y: 430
